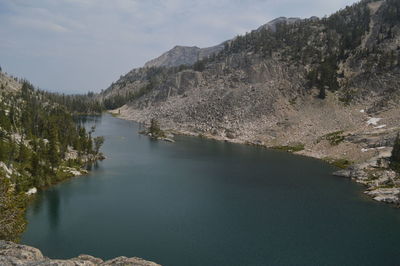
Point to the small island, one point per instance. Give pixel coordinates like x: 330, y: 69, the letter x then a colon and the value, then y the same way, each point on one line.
x: 155, y: 132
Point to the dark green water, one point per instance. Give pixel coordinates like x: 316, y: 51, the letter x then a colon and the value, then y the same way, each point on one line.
x: 202, y: 202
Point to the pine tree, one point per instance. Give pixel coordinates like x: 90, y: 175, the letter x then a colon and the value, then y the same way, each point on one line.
x: 35, y: 165
x: 53, y: 149
x: 155, y: 129
x: 395, y: 158
x: 3, y: 151
x: 98, y: 142
x: 322, y: 93
x: 23, y: 153
x: 12, y: 220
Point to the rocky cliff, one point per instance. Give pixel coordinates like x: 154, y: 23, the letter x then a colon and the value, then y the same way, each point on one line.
x: 327, y: 88
x: 183, y: 55
x: 9, y: 83
x: 273, y: 23
x: 12, y: 254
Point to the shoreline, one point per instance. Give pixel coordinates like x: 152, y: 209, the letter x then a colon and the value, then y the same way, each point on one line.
x: 373, y: 173
x: 18, y: 254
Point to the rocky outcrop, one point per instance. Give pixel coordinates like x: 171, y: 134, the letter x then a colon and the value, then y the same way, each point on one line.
x: 383, y: 184
x: 183, y: 55
x: 12, y: 254
x: 273, y: 23
x: 9, y: 83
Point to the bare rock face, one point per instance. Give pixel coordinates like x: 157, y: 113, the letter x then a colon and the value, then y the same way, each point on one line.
x: 12, y: 254
x: 273, y: 23
x: 9, y: 83
x: 183, y: 55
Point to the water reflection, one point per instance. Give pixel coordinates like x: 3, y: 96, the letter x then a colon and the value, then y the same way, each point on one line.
x: 53, y: 200
x: 37, y: 204
x: 83, y: 120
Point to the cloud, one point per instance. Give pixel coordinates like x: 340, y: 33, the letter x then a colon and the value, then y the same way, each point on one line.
x: 77, y: 45
x: 37, y: 24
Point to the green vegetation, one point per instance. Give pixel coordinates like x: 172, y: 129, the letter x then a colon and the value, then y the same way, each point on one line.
x: 392, y: 13
x: 78, y: 104
x: 155, y: 130
x: 40, y: 144
x: 340, y: 163
x: 295, y: 148
x: 293, y: 101
x: 12, y: 211
x: 322, y: 44
x: 334, y: 138
x: 395, y: 158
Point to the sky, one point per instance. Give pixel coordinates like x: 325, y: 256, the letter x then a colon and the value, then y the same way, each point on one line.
x: 76, y: 46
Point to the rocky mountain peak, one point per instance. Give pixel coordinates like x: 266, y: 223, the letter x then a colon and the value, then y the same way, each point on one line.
x: 273, y: 23
x: 188, y: 55
x: 183, y: 55
x: 179, y: 55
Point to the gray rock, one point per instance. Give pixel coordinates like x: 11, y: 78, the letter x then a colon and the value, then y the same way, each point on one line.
x: 273, y: 23
x: 353, y: 172
x: 129, y: 261
x: 388, y: 195
x: 22, y: 252
x: 12, y: 254
x: 183, y: 55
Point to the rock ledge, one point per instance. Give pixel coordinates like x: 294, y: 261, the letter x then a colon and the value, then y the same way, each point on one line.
x: 14, y: 254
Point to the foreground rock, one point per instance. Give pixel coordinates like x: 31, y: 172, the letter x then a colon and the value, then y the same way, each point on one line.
x: 382, y: 182
x: 15, y: 254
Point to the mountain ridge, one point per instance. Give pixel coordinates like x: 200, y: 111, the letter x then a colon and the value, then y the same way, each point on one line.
x: 183, y: 55
x: 329, y: 85
x: 188, y: 55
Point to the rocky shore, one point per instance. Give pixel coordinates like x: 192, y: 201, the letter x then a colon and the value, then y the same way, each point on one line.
x: 383, y: 184
x: 12, y: 254
x: 363, y: 153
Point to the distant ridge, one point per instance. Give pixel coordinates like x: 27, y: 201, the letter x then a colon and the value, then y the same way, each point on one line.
x: 183, y: 55
x: 188, y: 55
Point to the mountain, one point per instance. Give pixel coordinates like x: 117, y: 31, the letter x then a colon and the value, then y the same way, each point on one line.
x: 281, y: 20
x: 326, y: 88
x: 183, y: 55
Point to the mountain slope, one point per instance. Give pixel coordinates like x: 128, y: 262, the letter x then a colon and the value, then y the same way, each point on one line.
x: 40, y: 145
x: 301, y: 83
x: 8, y: 83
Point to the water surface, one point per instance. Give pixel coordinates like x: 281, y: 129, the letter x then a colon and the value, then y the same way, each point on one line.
x: 203, y: 202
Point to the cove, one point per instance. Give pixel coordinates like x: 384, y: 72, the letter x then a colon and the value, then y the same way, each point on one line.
x: 204, y: 202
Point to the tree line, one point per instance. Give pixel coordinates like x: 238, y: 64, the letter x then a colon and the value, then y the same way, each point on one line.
x: 39, y: 141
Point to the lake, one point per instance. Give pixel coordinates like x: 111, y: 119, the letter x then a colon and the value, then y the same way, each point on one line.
x: 204, y: 202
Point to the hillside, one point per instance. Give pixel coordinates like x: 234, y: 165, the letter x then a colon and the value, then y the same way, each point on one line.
x: 326, y: 88
x: 41, y: 144
x: 8, y: 83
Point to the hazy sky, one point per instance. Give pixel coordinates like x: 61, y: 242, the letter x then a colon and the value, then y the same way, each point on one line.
x: 80, y: 45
